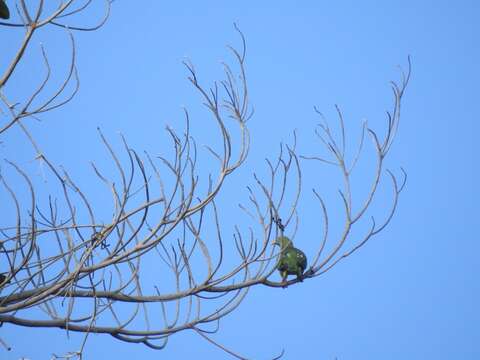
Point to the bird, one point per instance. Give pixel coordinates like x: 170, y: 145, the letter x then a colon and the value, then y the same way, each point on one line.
x: 292, y: 260
x: 3, y: 277
x: 4, y: 12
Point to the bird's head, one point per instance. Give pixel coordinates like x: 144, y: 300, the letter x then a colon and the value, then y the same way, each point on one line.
x: 283, y: 241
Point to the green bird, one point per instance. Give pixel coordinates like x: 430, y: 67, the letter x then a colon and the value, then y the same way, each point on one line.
x: 4, y: 12
x: 292, y: 260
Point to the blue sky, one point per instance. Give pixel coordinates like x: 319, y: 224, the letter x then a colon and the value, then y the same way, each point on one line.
x: 410, y: 293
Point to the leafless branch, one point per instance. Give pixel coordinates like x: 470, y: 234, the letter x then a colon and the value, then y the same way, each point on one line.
x: 84, y: 272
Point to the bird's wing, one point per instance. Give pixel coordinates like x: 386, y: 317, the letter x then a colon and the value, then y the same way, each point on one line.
x: 301, y: 258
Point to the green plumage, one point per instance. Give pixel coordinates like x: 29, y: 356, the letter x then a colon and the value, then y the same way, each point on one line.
x: 4, y: 12
x: 292, y: 260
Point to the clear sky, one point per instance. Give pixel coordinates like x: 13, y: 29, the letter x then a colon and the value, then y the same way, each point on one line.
x: 413, y: 291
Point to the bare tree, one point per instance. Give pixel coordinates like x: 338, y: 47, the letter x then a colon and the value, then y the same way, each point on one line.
x: 75, y: 270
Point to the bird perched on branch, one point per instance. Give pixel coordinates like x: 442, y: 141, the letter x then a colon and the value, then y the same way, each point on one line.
x: 292, y: 260
x: 3, y: 277
x: 4, y: 12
